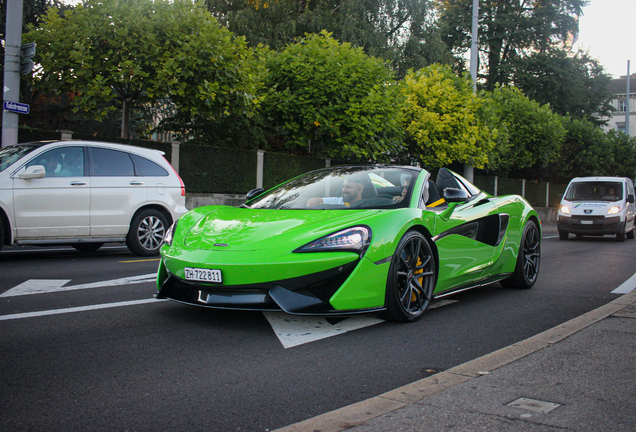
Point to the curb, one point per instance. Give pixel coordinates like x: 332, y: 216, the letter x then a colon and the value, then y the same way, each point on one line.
x: 361, y: 412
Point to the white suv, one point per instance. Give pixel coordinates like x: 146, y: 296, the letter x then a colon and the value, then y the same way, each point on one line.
x: 85, y: 194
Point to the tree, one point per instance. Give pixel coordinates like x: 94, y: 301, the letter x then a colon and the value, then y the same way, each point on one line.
x: 573, y: 85
x: 139, y: 51
x: 331, y: 99
x: 401, y: 31
x: 530, y: 134
x: 589, y: 151
x: 508, y: 30
x: 444, y: 120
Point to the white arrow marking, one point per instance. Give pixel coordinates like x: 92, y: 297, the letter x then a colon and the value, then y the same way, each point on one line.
x: 627, y: 287
x: 295, y: 330
x: 40, y: 286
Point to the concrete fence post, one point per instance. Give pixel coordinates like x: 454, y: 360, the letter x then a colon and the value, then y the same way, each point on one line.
x: 66, y: 135
x: 523, y: 188
x: 547, y: 194
x: 259, y: 168
x: 496, y: 186
x: 327, y: 162
x: 175, y: 155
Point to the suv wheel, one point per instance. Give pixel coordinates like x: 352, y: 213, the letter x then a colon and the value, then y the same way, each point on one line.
x: 147, y: 232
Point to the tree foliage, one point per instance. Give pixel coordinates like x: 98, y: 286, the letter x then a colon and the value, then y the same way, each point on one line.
x: 589, y: 151
x: 333, y: 100
x: 138, y: 51
x: 444, y: 120
x: 530, y: 134
x: 573, y: 85
x: 400, y: 31
x: 508, y: 30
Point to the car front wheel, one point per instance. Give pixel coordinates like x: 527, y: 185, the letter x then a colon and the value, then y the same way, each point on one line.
x: 528, y: 260
x: 147, y: 232
x: 412, y: 277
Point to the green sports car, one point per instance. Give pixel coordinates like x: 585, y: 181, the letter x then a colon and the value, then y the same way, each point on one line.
x: 348, y: 240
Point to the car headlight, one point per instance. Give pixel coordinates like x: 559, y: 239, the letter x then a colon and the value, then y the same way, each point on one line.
x: 355, y: 239
x: 614, y: 210
x: 170, y: 233
x: 565, y: 209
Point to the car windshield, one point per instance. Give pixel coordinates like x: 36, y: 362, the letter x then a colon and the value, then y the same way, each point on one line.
x: 343, y: 188
x: 595, y: 191
x: 10, y: 154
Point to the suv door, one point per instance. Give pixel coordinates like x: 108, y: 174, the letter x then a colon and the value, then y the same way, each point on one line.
x: 56, y: 206
x: 115, y: 192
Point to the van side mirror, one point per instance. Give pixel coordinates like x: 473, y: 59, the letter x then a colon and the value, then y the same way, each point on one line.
x: 32, y: 172
x: 452, y: 195
x: 254, y: 193
x: 630, y: 198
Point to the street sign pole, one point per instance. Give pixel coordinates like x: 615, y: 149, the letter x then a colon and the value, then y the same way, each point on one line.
x: 12, y: 60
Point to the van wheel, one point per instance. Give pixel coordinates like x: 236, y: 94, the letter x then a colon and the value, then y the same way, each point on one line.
x: 630, y: 235
x: 1, y: 234
x: 147, y: 232
x: 620, y: 237
x: 563, y: 235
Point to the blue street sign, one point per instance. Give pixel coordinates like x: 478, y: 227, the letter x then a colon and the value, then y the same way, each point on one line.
x: 16, y: 107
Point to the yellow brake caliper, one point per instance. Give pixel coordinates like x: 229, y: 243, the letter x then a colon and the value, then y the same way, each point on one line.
x: 419, y: 263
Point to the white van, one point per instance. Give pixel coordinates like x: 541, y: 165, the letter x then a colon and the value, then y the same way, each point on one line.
x: 596, y: 206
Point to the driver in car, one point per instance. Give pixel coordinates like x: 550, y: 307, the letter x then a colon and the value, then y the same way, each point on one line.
x: 352, y: 189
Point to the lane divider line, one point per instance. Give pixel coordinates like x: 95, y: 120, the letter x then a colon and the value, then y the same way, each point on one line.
x: 77, y: 309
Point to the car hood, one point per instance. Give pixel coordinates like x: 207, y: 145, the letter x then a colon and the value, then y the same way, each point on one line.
x: 244, y: 229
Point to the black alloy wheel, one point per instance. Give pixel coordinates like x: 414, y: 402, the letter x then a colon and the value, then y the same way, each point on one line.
x: 528, y: 260
x: 412, y: 277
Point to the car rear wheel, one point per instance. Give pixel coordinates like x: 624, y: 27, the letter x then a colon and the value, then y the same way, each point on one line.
x: 147, y: 233
x: 87, y: 247
x: 528, y: 260
x: 411, y: 280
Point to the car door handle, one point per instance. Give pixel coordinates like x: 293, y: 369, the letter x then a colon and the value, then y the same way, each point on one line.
x: 136, y: 183
x: 78, y: 183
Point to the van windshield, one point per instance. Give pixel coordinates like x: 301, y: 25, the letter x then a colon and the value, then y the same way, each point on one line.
x: 595, y: 191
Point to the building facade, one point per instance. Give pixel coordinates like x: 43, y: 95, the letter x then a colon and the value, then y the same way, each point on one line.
x: 623, y: 105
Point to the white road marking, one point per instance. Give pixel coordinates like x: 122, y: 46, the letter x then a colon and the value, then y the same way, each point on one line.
x: 628, y: 286
x: 294, y: 330
x: 40, y: 286
x: 76, y: 309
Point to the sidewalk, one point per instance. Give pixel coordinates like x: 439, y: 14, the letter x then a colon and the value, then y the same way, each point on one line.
x: 579, y: 376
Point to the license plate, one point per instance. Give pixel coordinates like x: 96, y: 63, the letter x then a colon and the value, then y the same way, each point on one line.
x: 583, y: 222
x: 203, y: 275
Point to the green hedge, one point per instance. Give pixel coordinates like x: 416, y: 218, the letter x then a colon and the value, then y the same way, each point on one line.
x: 279, y: 167
x: 207, y: 169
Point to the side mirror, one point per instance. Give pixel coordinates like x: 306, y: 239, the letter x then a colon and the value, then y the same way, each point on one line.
x: 254, y: 193
x: 630, y: 198
x: 452, y: 195
x: 32, y: 172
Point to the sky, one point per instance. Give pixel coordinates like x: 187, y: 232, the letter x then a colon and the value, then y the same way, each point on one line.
x: 607, y: 31
x: 604, y: 31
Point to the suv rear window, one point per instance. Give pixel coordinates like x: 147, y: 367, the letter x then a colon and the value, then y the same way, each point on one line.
x: 148, y: 168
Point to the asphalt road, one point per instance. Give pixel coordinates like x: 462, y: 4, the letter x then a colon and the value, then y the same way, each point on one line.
x: 105, y: 356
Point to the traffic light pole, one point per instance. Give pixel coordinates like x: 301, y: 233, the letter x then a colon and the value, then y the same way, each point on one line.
x: 12, y: 59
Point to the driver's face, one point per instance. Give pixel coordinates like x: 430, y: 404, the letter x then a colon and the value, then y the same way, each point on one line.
x: 351, y: 191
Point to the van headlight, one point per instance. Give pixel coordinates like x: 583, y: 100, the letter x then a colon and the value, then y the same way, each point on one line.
x: 565, y: 209
x: 614, y: 210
